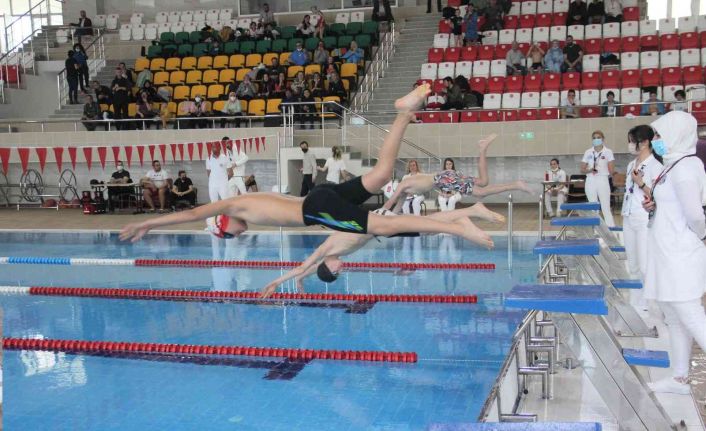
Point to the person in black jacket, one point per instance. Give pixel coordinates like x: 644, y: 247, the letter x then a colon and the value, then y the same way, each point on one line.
x: 72, y: 73
x: 336, y: 88
x: 121, y: 97
x: 308, y: 111
x: 578, y: 13
x: 438, y: 6
x: 85, y: 26
x: 103, y: 93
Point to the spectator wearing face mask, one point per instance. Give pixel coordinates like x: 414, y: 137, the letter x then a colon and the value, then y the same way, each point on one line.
x: 298, y: 57
x: 232, y: 108
x: 183, y: 189
x: 197, y: 109
x: 246, y: 90
x: 598, y: 165
x: 120, y: 185
x: 82, y: 59
x: 554, y: 58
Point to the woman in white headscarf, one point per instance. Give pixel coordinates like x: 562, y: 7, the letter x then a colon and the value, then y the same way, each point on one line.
x: 676, y: 254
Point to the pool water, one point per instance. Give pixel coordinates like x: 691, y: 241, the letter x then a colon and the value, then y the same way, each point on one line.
x: 461, y: 347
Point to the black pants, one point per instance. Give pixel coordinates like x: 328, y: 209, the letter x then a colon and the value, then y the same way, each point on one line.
x: 307, y: 184
x: 189, y: 197
x: 73, y: 88
x: 386, y: 6
x: 120, y: 111
x: 438, y: 6
x: 83, y: 77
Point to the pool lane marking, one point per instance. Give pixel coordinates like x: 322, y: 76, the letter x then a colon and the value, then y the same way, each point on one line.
x: 121, y: 347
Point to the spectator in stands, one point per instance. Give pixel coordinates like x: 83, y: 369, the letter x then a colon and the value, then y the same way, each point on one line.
x: 573, y: 56
x: 387, y: 9
x: 454, y: 95
x: 555, y: 173
x: 289, y: 97
x: 252, y: 33
x: 152, y: 95
x: 305, y: 29
x: 266, y: 88
x: 413, y: 203
x: 84, y: 24
x: 155, y: 184
x: 515, y: 61
x: 280, y: 85
x: 142, y: 77
x: 613, y: 11
x: 578, y: 13
x: 82, y: 59
x: 266, y: 16
x: 330, y: 68
x: 354, y: 54
x: 336, y: 87
x: 554, y: 58
x: 456, y: 23
x: 127, y: 73
x: 197, y: 109
x: 493, y: 16
x: 447, y: 200
x: 226, y: 34
x: 121, y: 87
x: 246, y: 90
x: 183, y: 189
x: 316, y: 85
x: 275, y: 69
x: 308, y: 111
x: 214, y: 48
x: 144, y: 111
x: 320, y: 54
x: 610, y: 107
x: 91, y: 111
x: 569, y: 106
x: 596, y: 12
x: 270, y: 33
x: 438, y: 6
x: 653, y: 106
x: 681, y: 103
x: 103, y: 93
x: 165, y: 114
x: 232, y: 108
x: 536, y: 56
x: 471, y: 23
x: 335, y: 168
x: 298, y: 83
x: 72, y: 73
x: 120, y: 181
x: 298, y: 57
x: 320, y: 27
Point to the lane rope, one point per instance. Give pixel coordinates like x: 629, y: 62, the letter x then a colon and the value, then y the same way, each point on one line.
x: 206, y: 295
x: 252, y: 264
x: 108, y: 347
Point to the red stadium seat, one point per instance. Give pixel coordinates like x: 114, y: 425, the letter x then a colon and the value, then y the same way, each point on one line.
x: 452, y: 54
x: 449, y: 117
x: 549, y: 113
x: 612, y: 44
x: 428, y: 117
x: 543, y: 20
x: 439, y: 86
x: 668, y: 41
x: 524, y: 47
x: 631, y: 14
x: 689, y: 40
x: 533, y: 83
x: 501, y: 51
x: 489, y: 116
x: 590, y: 112
x: 478, y: 84
x: 559, y: 18
x: 470, y: 116
x: 528, y: 114
x: 445, y: 26
x: 589, y: 80
x: 469, y: 53
x: 552, y: 82
x: 510, y: 115
x: 481, y: 21
x: 526, y: 21
x: 671, y: 76
x: 435, y: 55
x: 702, y: 38
x: 510, y: 22
x: 693, y: 75
x: 650, y: 77
x: 698, y: 110
x: 571, y: 80
x: 630, y: 44
x: 609, y: 79
x: 455, y: 3
x: 486, y: 52
x: 592, y: 46
x: 632, y: 109
x: 425, y: 81
x: 514, y: 84
x: 630, y: 78
x: 649, y: 43
x: 496, y: 84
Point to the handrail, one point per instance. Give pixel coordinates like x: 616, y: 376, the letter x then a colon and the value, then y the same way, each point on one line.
x: 95, y: 63
x: 21, y: 43
x: 375, y: 70
x: 29, y: 12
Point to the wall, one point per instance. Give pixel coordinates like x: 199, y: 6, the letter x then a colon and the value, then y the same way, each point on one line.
x: 38, y: 98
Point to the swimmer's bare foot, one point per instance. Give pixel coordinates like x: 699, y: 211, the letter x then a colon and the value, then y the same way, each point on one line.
x: 482, y: 212
x: 473, y: 233
x: 413, y: 101
x: 521, y: 185
x: 485, y: 142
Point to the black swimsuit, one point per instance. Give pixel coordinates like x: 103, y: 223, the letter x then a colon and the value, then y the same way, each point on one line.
x: 336, y: 206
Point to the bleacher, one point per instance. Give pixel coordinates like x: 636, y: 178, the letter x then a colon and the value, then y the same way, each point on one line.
x: 671, y: 59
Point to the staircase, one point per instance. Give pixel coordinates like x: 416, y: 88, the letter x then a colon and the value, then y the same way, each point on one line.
x: 45, y: 45
x: 413, y: 43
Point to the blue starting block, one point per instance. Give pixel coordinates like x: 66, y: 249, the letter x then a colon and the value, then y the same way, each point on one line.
x: 562, y: 298
x: 581, y: 206
x: 518, y: 426
x: 573, y: 247
x: 627, y: 284
x: 618, y: 249
x: 575, y: 221
x: 615, y: 228
x: 647, y: 358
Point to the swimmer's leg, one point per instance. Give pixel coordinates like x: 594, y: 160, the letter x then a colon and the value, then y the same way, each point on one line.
x: 415, y: 184
x: 494, y: 189
x: 483, y: 144
x: 463, y: 227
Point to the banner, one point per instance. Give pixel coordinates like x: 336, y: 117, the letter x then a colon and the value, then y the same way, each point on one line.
x: 116, y: 154
x: 88, y: 154
x: 141, y: 154
x: 59, y: 157
x: 173, y: 148
x: 5, y: 159
x: 72, y: 156
x: 24, y: 158
x: 42, y: 156
x: 102, y: 153
x: 190, y: 150
x: 128, y: 154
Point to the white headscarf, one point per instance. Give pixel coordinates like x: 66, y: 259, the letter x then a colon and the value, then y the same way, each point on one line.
x: 678, y: 130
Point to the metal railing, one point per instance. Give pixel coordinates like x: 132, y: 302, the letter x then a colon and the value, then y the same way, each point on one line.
x: 41, y: 9
x: 376, y: 69
x: 96, y: 61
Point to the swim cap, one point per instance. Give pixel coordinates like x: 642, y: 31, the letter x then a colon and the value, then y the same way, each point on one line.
x: 218, y: 226
x: 325, y: 274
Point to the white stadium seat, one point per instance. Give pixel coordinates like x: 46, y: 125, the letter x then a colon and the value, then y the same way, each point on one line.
x: 515, y: 9
x: 138, y: 32
x: 630, y: 60
x: 150, y: 32
x: 464, y: 68
x: 701, y: 22
x: 604, y: 94
x: 191, y: 26
x: 225, y: 14
x: 529, y: 7
x: 686, y: 24
x: 174, y: 16
x: 441, y: 40
x: 136, y: 18
x: 630, y: 3
x: 649, y: 59
x: 576, y: 31
x: 590, y: 97
x: 428, y: 71
x: 648, y: 27
x: 630, y: 95
x: 490, y: 37
x: 111, y: 21
x: 343, y: 18
x: 629, y: 28
x: 164, y: 27
x: 540, y: 34
x: 695, y: 91
x: 213, y: 14
x: 611, y: 29
x: 481, y: 68
x: 690, y: 57
x: 669, y: 58
x: 125, y: 32
x: 561, y: 6
x: 549, y: 99
x: 557, y: 32
x: 506, y: 36
x: 498, y: 68
x: 668, y: 92
x: 591, y: 63
x: 523, y: 35
x: 176, y: 27
x: 187, y: 16
x: 530, y: 100
x: 358, y: 16
x: 244, y: 22
x: 492, y: 101
x: 511, y: 100
x: 99, y: 21
x: 446, y: 69
x: 199, y: 15
x: 593, y: 31
x: 161, y: 17
x: 667, y: 26
x: 545, y: 6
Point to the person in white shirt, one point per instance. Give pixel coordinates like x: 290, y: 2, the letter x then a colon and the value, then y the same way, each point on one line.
x: 413, y: 203
x: 640, y: 176
x: 555, y: 173
x: 613, y: 10
x: 680, y: 104
x: 237, y: 159
x: 218, y: 169
x: 334, y: 167
x: 598, y: 165
x: 155, y: 185
x: 676, y: 254
x: 447, y: 200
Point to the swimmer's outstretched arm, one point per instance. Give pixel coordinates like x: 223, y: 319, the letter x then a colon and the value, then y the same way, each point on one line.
x: 306, y: 268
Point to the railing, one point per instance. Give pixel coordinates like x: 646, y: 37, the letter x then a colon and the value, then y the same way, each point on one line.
x: 509, y: 231
x: 375, y: 70
x: 42, y: 9
x: 96, y: 61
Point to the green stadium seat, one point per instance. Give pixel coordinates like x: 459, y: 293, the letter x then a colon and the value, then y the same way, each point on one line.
x: 185, y: 50
x: 330, y: 42
x: 344, y: 41
x: 182, y: 37
x: 288, y: 32
x: 166, y: 37
x: 354, y: 28
x: 200, y: 49
x: 364, y: 41
x: 247, y: 47
x: 279, y: 45
x: 336, y: 29
x: 263, y: 46
x: 154, y: 51
x: 292, y: 44
x: 310, y: 44
x: 195, y: 36
x: 231, y: 48
x: 370, y: 27
x: 169, y: 50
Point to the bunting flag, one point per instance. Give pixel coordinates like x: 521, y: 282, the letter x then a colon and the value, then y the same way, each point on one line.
x: 5, y: 159
x: 208, y: 148
x: 59, y: 157
x: 250, y: 143
x: 88, y: 154
x: 102, y: 152
x: 262, y: 141
x: 24, y: 158
x: 257, y: 144
x: 128, y: 155
x: 224, y: 145
x: 163, y: 152
x: 42, y: 156
x: 151, y: 147
x: 190, y: 150
x: 141, y: 154
x: 200, y: 145
x: 173, y: 147
x: 72, y: 156
x: 181, y: 151
x: 116, y: 154
x: 237, y: 145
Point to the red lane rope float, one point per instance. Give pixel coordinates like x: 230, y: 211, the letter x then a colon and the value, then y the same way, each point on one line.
x: 208, y: 263
x: 253, y: 296
x: 107, y: 347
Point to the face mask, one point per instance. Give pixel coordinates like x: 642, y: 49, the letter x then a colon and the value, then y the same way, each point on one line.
x: 597, y: 142
x: 304, y: 150
x: 232, y: 99
x: 659, y: 147
x: 76, y: 49
x: 555, y: 169
x: 120, y: 168
x: 198, y: 100
x: 632, y: 148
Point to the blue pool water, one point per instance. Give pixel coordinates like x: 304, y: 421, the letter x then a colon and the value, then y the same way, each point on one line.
x: 460, y: 346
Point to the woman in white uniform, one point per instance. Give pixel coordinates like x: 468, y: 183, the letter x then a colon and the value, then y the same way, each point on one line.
x: 676, y: 254
x: 237, y: 158
x: 219, y: 169
x: 413, y: 203
x: 597, y: 164
x: 447, y: 200
x: 640, y: 176
x: 334, y: 167
x: 555, y: 173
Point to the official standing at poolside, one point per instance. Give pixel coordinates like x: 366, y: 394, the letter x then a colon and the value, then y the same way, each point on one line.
x: 219, y: 169
x: 597, y: 164
x: 308, y: 169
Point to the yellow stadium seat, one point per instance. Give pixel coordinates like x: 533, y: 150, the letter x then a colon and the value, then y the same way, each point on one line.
x: 226, y: 76
x: 188, y: 63
x: 181, y: 110
x: 346, y: 84
x: 199, y: 90
x: 236, y: 61
x: 244, y: 105
x: 156, y: 106
x: 220, y: 62
x: 177, y: 77
x: 134, y: 91
x: 132, y: 110
x: 256, y: 107
x: 328, y: 108
x: 311, y: 69
x: 141, y: 63
x: 157, y: 64
x: 283, y: 58
x: 318, y: 104
x: 173, y: 63
x: 240, y: 74
x: 293, y: 70
x: 161, y: 78
x: 267, y: 58
x: 172, y: 106
x: 106, y: 107
x: 218, y: 105
x: 181, y: 92
x: 205, y: 62
x: 210, y: 76
x: 273, y: 106
x: 349, y: 70
x: 193, y: 77
x: 215, y: 91
x: 252, y: 60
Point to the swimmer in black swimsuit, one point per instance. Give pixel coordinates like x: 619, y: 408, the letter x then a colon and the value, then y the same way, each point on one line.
x: 335, y: 206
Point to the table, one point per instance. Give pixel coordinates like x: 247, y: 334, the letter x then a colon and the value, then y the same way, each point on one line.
x: 136, y: 192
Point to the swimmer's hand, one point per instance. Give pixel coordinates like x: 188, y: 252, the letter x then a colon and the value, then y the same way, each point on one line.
x: 134, y: 232
x: 268, y: 290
